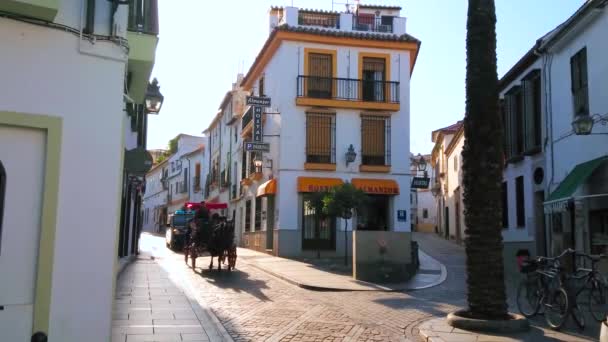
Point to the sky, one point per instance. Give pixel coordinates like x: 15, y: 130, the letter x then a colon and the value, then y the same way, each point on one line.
x: 203, y: 44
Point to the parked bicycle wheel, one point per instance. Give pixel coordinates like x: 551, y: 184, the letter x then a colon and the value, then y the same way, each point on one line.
x: 556, y: 308
x: 598, y: 303
x: 528, y: 297
x: 578, y: 316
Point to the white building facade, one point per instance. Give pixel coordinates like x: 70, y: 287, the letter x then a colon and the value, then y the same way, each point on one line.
x: 62, y: 134
x: 154, y: 205
x: 343, y: 86
x: 575, y: 56
x: 426, y: 213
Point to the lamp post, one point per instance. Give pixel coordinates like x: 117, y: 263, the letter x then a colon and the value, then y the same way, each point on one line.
x: 153, y: 99
x: 583, y: 124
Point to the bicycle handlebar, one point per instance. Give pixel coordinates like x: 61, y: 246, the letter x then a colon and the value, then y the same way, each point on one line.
x: 593, y: 257
x: 564, y: 253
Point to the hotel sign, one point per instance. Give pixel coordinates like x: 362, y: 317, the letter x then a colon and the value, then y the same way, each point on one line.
x: 420, y: 182
x: 258, y: 101
x: 257, y: 124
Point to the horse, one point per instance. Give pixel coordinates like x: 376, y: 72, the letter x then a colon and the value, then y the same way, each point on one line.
x: 222, y: 245
x: 216, y: 239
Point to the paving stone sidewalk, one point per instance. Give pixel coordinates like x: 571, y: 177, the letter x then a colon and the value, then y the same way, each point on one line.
x: 309, y: 276
x: 437, y: 330
x: 151, y: 306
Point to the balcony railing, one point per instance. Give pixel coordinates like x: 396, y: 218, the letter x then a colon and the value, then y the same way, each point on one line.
x: 319, y: 19
x: 247, y: 117
x: 143, y: 16
x: 348, y: 89
x: 371, y: 24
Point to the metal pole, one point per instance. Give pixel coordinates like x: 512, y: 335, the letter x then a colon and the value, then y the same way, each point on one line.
x: 345, y: 243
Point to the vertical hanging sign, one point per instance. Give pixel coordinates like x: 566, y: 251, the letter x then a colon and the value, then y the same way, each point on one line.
x: 257, y: 124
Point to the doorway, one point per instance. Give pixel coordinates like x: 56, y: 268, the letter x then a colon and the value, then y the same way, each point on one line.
x: 269, y: 223
x: 21, y: 186
x: 540, y: 234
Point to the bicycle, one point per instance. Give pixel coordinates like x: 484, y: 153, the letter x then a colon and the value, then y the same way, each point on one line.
x: 595, y: 284
x: 543, y: 288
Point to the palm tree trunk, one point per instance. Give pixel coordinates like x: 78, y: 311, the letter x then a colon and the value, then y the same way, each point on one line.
x: 483, y: 166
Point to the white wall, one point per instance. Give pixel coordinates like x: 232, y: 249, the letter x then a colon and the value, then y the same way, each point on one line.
x: 573, y: 150
x: 454, y: 183
x: 154, y: 198
x: 43, y: 73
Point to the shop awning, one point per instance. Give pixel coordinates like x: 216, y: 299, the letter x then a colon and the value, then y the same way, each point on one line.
x: 314, y: 184
x: 268, y: 188
x: 377, y: 186
x: 571, y: 183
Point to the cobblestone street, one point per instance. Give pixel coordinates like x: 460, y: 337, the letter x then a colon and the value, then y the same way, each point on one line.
x: 255, y: 306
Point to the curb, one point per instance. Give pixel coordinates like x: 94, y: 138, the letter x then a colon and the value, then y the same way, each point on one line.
x: 442, y: 277
x: 123, y: 263
x: 214, y: 329
x: 379, y: 288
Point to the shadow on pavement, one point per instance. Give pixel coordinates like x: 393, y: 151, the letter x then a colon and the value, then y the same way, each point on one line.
x: 235, y: 280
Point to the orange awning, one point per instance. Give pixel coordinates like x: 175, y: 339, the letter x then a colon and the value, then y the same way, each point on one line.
x: 377, y: 186
x: 268, y: 188
x: 314, y: 184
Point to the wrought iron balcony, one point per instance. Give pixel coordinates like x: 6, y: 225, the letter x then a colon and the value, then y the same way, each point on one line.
x: 143, y: 16
x: 377, y: 24
x: 327, y: 20
x: 347, y: 89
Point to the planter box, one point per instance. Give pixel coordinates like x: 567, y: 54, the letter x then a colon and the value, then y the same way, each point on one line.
x: 382, y: 257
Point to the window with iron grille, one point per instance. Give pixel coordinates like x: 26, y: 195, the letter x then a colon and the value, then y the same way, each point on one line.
x: 320, y: 72
x: 197, y: 176
x: 520, y: 202
x: 375, y: 140
x: 261, y: 87
x: 532, y: 110
x: 374, y: 75
x: 258, y: 214
x: 320, y: 138
x: 514, y: 129
x: 247, y: 215
x: 578, y: 75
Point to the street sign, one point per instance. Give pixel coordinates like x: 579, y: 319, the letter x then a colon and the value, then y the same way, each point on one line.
x: 257, y: 124
x: 257, y: 147
x: 420, y: 182
x: 401, y: 215
x: 258, y: 101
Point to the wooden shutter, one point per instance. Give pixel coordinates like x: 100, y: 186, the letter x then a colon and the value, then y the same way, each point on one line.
x: 373, y: 138
x: 374, y: 64
x: 528, y: 113
x: 320, y: 65
x: 319, y: 137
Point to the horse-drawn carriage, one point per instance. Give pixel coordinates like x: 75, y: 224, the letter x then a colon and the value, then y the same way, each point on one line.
x: 214, y: 236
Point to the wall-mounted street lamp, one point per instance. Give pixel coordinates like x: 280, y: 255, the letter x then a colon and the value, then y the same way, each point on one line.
x: 154, y: 99
x: 436, y: 190
x: 257, y: 162
x: 351, y: 155
x: 583, y: 124
x: 421, y: 163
